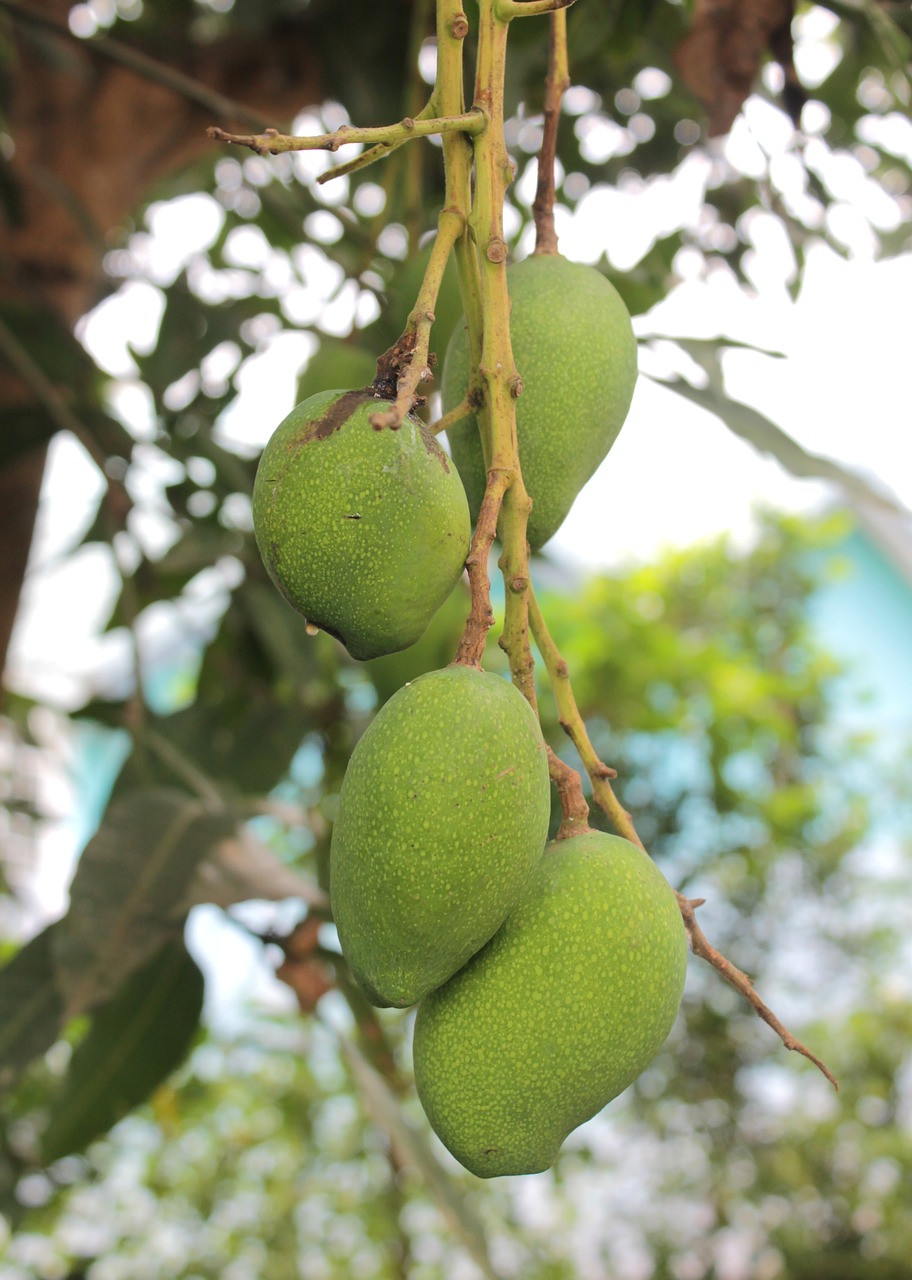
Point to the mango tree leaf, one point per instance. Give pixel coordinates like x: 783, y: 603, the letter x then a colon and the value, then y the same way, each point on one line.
x: 131, y: 877
x: 31, y: 1006
x: 262, y: 685
x: 766, y: 437
x: 244, y: 868
x: 412, y: 1148
x: 133, y: 1043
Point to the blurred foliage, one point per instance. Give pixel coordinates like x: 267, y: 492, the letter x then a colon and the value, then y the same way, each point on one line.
x: 291, y: 1146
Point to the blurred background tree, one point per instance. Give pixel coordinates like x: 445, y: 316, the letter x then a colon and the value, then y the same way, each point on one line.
x: 273, y: 1132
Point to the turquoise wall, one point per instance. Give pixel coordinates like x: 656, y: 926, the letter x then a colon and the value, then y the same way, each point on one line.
x: 863, y: 612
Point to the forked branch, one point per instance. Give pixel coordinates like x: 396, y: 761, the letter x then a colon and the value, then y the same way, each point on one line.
x: 272, y: 143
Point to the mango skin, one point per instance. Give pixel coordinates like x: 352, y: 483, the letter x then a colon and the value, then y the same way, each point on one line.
x: 364, y: 532
x: 576, y: 354
x: 443, y: 816
x: 561, y: 1011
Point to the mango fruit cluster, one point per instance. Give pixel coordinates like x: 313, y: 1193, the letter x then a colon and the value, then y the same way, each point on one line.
x: 546, y: 976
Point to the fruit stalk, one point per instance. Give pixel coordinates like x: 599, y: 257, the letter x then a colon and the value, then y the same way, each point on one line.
x: 417, y: 336
x: 447, y: 99
x: 506, y: 498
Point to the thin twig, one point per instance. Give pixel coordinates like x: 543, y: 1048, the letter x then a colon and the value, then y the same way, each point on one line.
x: 449, y: 419
x: 569, y: 785
x: 507, y: 9
x: 557, y: 82
x: 701, y: 947
x: 481, y: 617
x: 417, y: 337
x: 149, y: 68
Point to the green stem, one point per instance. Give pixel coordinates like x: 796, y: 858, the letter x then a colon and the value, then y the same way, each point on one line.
x: 500, y: 381
x: 413, y: 205
x: 272, y: 143
x: 508, y: 9
x: 448, y: 100
x: 571, y: 721
x: 415, y: 342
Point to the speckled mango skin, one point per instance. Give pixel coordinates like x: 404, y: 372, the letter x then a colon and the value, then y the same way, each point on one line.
x: 364, y: 532
x: 576, y: 354
x: 442, y: 818
x: 561, y: 1011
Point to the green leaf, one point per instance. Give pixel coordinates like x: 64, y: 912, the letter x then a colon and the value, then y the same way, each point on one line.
x: 128, y: 887
x: 134, y: 1042
x: 766, y: 437
x: 31, y: 1006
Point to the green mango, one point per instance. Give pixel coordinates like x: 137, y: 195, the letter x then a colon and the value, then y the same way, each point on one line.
x: 561, y: 1011
x: 364, y: 532
x: 576, y: 354
x: 443, y: 816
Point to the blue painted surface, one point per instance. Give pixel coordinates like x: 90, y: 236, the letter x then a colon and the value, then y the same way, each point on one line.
x: 863, y: 614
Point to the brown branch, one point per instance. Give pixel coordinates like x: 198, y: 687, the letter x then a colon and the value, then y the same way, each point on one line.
x: 569, y: 785
x: 557, y: 82
x: 701, y: 947
x: 58, y: 410
x: 149, y: 68
x: 481, y: 616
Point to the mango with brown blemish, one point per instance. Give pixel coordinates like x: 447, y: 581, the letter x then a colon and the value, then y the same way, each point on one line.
x: 365, y: 532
